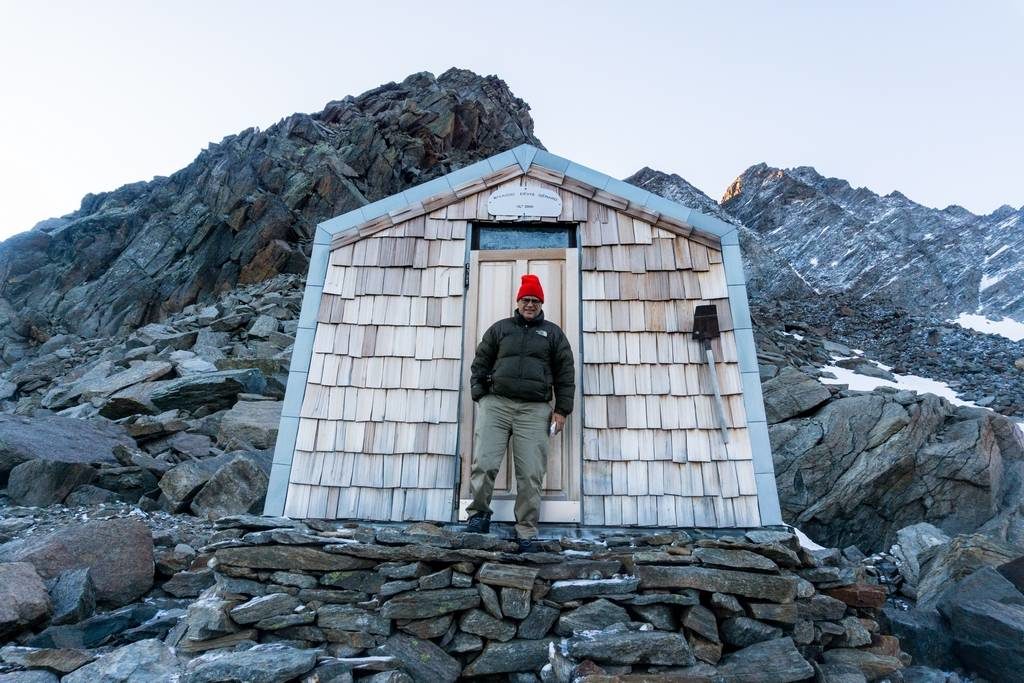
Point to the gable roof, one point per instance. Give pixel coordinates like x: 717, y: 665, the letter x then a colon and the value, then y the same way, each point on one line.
x: 546, y: 167
x: 533, y: 162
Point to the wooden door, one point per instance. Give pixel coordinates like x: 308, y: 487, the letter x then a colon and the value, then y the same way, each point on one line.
x: 494, y: 278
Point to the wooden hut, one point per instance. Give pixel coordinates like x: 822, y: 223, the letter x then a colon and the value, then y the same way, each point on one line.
x: 377, y: 421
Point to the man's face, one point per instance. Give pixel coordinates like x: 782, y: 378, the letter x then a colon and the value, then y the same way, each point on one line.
x: 529, y: 307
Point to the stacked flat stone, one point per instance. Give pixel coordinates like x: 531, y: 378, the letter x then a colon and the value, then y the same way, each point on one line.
x: 437, y: 605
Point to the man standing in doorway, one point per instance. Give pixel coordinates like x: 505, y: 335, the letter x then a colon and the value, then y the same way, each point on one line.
x: 518, y: 363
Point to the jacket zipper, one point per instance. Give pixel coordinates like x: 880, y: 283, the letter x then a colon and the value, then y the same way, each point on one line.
x: 522, y: 347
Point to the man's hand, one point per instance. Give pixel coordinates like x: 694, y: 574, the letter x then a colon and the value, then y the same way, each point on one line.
x: 558, y: 420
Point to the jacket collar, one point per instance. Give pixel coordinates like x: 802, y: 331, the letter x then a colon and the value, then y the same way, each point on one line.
x: 520, y: 320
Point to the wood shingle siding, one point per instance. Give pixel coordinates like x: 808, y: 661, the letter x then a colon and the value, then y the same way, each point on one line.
x: 652, y: 452
x: 378, y: 426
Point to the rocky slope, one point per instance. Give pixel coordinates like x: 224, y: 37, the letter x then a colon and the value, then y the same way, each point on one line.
x: 166, y: 425
x: 243, y: 209
x: 986, y: 369
x: 852, y: 241
x: 894, y: 327
x: 855, y: 467
x: 123, y: 441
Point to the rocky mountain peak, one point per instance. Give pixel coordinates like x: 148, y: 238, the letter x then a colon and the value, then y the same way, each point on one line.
x: 751, y: 182
x: 244, y: 210
x: 959, y: 212
x: 854, y: 242
x: 1005, y: 211
x: 767, y: 273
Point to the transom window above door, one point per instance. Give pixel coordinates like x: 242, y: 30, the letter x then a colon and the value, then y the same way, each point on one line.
x: 489, y: 236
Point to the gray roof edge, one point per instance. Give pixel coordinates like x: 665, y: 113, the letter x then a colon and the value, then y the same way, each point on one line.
x: 526, y: 156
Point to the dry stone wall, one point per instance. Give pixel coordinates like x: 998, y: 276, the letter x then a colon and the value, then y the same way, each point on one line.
x: 430, y: 604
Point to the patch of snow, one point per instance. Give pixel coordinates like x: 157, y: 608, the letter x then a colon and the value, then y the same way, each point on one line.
x: 805, y: 541
x: 1006, y: 327
x: 814, y: 261
x: 921, y: 385
x: 928, y: 235
x: 794, y: 335
x: 385, y: 660
x: 987, y: 282
x: 590, y: 582
x: 996, y: 253
x: 804, y: 280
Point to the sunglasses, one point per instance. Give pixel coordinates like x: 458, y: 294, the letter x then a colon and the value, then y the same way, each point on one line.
x: 530, y: 301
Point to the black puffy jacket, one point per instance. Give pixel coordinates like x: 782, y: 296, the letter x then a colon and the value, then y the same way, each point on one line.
x: 523, y: 360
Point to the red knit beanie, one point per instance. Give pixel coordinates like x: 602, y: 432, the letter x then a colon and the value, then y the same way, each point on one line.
x: 530, y: 287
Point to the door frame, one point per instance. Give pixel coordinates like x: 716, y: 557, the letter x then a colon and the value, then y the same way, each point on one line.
x: 554, y: 510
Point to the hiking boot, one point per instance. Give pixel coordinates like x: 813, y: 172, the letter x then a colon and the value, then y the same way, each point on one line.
x: 480, y: 523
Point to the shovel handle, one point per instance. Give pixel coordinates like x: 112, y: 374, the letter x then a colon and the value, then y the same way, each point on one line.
x: 719, y: 406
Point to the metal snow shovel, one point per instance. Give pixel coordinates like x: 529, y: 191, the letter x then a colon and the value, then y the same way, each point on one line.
x: 705, y: 328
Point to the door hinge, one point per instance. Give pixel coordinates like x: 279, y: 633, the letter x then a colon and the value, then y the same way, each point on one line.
x: 466, y: 281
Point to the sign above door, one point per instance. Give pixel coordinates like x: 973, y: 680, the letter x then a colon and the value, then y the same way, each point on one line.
x: 532, y: 202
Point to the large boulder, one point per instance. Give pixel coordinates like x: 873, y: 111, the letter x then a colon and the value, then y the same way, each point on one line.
x: 791, y: 393
x: 24, y: 601
x: 88, y: 495
x: 146, y: 660
x: 99, y: 629
x: 943, y: 566
x: 95, y: 384
x: 911, y: 542
x: 924, y: 634
x: 238, y: 487
x: 74, y: 596
x: 864, y: 466
x: 181, y: 483
x: 67, y: 391
x: 46, y: 482
x: 250, y: 424
x: 212, y: 390
x: 118, y: 553
x: 984, y: 584
x: 134, y: 400
x: 61, y: 439
x: 989, y: 637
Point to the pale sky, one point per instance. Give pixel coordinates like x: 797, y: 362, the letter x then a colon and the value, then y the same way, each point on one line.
x: 923, y: 97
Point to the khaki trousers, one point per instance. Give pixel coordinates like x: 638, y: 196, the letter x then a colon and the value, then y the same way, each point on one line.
x: 527, y: 423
